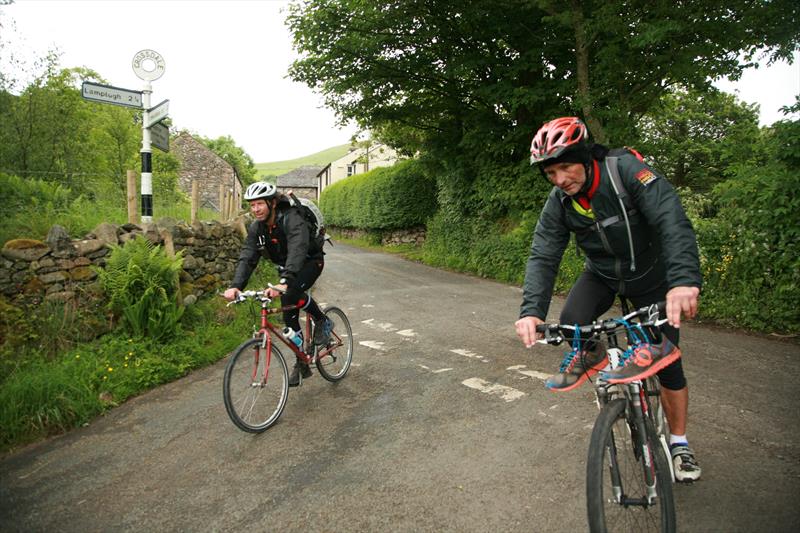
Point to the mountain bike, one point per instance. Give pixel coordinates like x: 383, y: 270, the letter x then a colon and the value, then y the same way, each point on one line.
x: 628, y: 471
x: 256, y: 382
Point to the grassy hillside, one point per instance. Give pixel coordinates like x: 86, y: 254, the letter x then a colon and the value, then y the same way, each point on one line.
x: 276, y: 168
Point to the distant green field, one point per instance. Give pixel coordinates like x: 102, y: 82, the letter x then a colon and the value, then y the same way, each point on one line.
x: 320, y: 159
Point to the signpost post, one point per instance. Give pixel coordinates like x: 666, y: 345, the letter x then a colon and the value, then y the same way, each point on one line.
x: 148, y: 65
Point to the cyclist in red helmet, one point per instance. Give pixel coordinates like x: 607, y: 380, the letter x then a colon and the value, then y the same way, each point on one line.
x: 637, y: 243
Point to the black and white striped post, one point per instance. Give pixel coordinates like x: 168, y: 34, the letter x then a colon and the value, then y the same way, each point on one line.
x: 147, y: 157
x: 148, y: 66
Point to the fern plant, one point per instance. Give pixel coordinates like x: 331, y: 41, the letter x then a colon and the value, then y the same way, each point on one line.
x: 142, y: 285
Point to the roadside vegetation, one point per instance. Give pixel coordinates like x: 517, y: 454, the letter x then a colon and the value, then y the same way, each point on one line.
x: 63, y: 161
x: 462, y: 90
x: 67, y: 363
x: 747, y: 221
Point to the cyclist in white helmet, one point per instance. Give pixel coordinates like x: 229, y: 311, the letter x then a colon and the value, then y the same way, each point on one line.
x: 282, y: 234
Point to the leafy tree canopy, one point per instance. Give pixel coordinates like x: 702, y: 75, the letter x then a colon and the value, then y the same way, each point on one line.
x: 468, y: 82
x: 694, y: 137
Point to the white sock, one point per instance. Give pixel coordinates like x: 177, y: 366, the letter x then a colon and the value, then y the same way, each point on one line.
x: 677, y: 439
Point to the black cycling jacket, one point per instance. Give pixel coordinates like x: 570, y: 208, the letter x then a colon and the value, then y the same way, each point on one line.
x: 287, y: 243
x: 664, y: 243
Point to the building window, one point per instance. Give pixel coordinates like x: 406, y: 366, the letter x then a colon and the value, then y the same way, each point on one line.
x: 351, y: 169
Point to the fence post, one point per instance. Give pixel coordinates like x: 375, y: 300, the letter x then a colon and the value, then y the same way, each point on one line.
x: 195, y: 200
x: 133, y: 217
x: 221, y: 202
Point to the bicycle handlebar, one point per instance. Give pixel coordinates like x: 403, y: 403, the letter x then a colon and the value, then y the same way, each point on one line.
x: 652, y: 313
x: 243, y: 296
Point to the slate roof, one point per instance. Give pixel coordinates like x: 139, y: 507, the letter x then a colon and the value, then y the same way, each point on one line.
x: 305, y: 176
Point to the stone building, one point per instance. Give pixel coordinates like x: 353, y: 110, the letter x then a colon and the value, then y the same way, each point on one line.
x: 302, y: 181
x: 212, y: 173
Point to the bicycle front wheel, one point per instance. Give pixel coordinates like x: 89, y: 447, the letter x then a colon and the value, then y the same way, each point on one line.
x: 333, y: 360
x: 617, y: 495
x: 255, y: 386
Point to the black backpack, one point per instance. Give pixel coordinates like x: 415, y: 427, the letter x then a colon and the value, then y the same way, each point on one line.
x: 313, y: 216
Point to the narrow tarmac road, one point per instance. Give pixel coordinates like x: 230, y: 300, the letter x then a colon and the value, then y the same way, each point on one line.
x: 442, y: 424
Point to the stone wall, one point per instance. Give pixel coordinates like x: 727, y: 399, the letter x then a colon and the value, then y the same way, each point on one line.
x: 388, y: 238
x: 59, y: 268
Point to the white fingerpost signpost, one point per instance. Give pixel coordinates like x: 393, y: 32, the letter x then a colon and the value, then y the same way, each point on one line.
x: 148, y: 65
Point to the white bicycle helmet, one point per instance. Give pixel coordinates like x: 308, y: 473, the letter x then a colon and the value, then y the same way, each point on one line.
x: 260, y: 190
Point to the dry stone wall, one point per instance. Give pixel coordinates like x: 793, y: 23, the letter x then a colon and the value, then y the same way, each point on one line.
x: 388, y: 238
x: 59, y: 268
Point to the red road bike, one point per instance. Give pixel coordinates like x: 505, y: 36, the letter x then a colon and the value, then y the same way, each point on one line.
x: 256, y: 382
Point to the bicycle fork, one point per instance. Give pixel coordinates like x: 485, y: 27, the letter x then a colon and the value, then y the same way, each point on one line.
x: 266, y: 345
x: 641, y: 440
x: 634, y: 419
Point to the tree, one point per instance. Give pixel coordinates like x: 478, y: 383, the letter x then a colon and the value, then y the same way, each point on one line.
x: 694, y: 137
x: 468, y: 83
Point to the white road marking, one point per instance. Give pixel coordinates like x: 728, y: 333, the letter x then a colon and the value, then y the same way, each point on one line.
x: 508, y: 394
x: 367, y: 305
x: 434, y: 371
x: 383, y: 326
x: 375, y: 345
x: 407, y: 333
x: 529, y: 373
x: 471, y: 355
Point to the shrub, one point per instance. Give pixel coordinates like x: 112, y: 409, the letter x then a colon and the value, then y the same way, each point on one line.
x: 142, y: 285
x: 750, y: 251
x: 497, y: 250
x: 396, y: 197
x: 62, y: 389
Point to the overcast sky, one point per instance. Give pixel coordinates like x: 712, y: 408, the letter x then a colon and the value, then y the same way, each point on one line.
x: 226, y: 64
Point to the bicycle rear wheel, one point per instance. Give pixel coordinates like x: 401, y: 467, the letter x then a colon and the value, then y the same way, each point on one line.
x: 616, y: 490
x: 255, y: 386
x: 333, y: 360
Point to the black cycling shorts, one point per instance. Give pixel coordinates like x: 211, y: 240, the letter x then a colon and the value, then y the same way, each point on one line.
x: 591, y: 296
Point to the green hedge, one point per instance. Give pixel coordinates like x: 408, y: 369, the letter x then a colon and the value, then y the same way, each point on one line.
x: 496, y: 250
x: 396, y: 197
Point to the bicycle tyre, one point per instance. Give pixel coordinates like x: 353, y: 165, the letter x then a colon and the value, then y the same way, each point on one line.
x: 612, y: 444
x: 255, y: 405
x: 334, y: 364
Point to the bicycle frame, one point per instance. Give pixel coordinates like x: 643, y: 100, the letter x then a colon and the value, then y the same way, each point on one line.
x: 309, y: 353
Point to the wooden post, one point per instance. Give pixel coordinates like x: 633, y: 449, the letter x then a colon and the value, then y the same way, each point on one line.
x: 133, y: 217
x: 232, y: 205
x: 195, y: 200
x: 221, y: 202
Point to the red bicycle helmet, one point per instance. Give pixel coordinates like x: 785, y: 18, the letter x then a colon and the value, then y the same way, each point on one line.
x: 556, y: 136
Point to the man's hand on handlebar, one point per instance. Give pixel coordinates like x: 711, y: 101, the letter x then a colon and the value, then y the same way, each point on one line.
x: 275, y: 290
x: 231, y: 294
x: 681, y: 301
x: 526, y: 330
